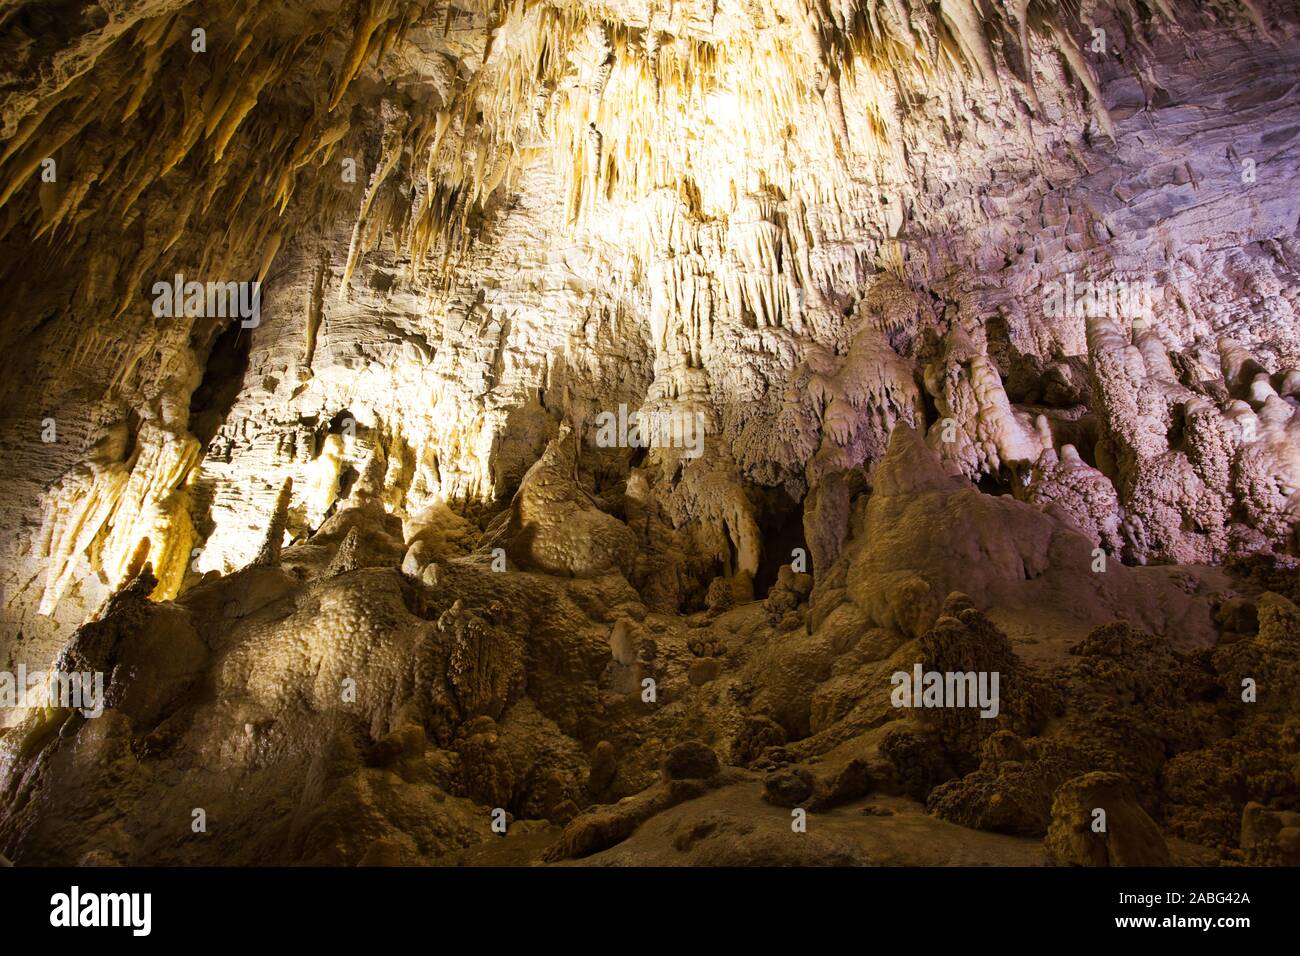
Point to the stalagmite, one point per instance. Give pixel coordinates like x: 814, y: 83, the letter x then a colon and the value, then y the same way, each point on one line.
x: 345, y: 559
x: 269, y: 554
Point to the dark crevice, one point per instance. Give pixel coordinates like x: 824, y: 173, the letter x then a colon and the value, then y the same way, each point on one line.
x: 780, y: 522
x: 223, y: 377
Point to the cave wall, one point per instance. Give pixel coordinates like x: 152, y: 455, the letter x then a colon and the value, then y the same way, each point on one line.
x: 561, y: 207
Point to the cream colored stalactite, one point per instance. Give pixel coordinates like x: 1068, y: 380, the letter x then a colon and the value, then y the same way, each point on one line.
x: 461, y: 436
x: 695, y: 298
x: 874, y: 387
x: 649, y: 115
x: 390, y: 155
x: 711, y: 493
x: 71, y: 64
x: 154, y: 505
x: 27, y: 162
x: 105, y: 510
x: 234, y: 109
x: 978, y: 428
x: 1069, y: 48
x: 375, y: 14
x: 681, y: 307
x: 1020, y: 11
x: 680, y: 279
x: 968, y: 23
x: 75, y: 511
x: 315, y: 311
x: 60, y: 208
x: 212, y: 110
x: 150, y: 39
x: 649, y: 102
x: 308, y: 147
x: 756, y: 284
x: 644, y: 105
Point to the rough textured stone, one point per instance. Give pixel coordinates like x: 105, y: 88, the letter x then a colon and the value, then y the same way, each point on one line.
x: 626, y: 376
x: 691, y: 760
x: 1130, y: 837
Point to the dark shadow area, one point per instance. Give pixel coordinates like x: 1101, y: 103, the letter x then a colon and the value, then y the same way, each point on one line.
x: 780, y: 521
x: 223, y: 377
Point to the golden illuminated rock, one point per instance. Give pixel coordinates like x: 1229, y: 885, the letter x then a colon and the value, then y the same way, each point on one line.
x: 417, y: 410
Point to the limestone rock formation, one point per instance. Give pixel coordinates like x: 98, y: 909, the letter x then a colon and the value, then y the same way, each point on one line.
x: 1096, y: 822
x: 427, y: 422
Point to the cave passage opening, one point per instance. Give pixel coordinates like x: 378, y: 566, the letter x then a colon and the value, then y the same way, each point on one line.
x: 780, y: 523
x: 223, y: 378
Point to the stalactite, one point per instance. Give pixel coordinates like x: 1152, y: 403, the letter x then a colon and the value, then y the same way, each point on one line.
x: 374, y: 14
x: 720, y: 204
x: 390, y: 155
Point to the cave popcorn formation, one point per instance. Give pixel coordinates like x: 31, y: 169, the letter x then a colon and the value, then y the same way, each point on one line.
x: 988, y: 311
